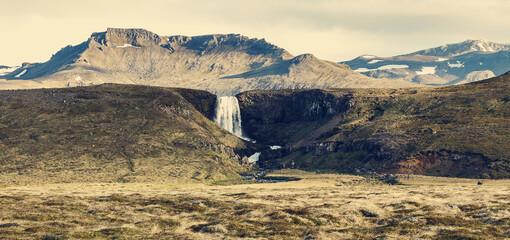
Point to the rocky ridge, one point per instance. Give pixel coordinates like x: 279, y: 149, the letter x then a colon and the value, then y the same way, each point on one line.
x: 223, y: 64
x: 464, y: 62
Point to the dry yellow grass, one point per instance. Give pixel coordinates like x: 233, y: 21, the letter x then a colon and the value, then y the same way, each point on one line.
x: 319, y: 206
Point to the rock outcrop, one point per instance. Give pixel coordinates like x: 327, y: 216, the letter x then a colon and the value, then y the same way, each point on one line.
x: 264, y: 113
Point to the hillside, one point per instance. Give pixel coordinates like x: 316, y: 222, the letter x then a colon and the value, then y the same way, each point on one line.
x: 114, y: 133
x: 222, y: 64
x: 460, y: 131
x: 457, y: 63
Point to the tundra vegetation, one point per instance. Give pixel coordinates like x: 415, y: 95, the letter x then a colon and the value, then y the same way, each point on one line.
x: 318, y: 206
x: 138, y: 162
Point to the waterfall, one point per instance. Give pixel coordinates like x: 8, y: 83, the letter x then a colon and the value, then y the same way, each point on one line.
x: 228, y: 115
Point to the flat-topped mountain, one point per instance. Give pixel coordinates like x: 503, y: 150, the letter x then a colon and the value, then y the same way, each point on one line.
x: 223, y: 64
x: 463, y: 62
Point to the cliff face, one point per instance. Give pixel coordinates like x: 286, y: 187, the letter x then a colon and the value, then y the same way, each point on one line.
x: 114, y: 133
x: 134, y: 37
x: 223, y: 64
x: 264, y: 113
x: 457, y: 131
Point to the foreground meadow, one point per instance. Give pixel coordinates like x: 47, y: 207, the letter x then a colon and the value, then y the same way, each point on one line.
x: 319, y: 206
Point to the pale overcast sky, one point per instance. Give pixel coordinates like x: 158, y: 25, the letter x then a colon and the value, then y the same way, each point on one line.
x: 32, y: 30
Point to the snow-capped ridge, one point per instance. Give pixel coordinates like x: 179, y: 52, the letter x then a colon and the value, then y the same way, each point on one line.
x: 461, y: 48
x: 467, y: 61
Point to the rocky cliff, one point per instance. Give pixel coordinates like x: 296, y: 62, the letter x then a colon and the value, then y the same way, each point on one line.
x: 223, y: 64
x: 457, y: 131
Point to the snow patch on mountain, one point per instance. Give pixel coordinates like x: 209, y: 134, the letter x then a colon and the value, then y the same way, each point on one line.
x: 427, y: 70
x: 455, y: 65
x: 127, y: 45
x: 21, y: 73
x: 374, y: 61
x: 385, y: 67
x: 392, y: 66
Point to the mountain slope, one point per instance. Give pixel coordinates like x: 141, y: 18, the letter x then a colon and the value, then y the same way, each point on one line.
x: 4, y: 70
x: 114, y: 133
x: 460, y: 130
x: 468, y: 46
x: 464, y: 62
x: 223, y: 64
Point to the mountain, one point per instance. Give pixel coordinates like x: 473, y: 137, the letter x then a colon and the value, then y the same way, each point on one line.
x: 463, y: 62
x: 459, y: 130
x: 222, y: 64
x: 468, y: 46
x: 4, y: 70
x: 115, y: 133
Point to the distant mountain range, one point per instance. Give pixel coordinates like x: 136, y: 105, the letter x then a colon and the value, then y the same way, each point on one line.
x: 463, y: 62
x: 222, y: 64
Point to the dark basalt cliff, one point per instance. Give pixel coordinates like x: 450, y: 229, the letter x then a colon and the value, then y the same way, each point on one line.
x: 265, y: 113
x: 459, y: 131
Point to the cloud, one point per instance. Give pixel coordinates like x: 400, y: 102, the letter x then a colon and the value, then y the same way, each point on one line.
x: 334, y: 30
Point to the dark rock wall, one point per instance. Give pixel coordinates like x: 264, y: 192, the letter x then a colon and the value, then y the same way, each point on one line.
x: 263, y: 114
x: 204, y: 102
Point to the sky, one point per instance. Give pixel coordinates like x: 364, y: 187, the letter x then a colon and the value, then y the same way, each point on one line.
x: 335, y: 30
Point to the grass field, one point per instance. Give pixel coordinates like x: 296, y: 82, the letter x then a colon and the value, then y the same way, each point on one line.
x: 319, y: 206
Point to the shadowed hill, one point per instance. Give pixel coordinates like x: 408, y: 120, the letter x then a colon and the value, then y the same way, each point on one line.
x: 114, y: 133
x: 460, y: 131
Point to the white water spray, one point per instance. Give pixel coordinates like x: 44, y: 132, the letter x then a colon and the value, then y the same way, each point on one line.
x: 228, y: 115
